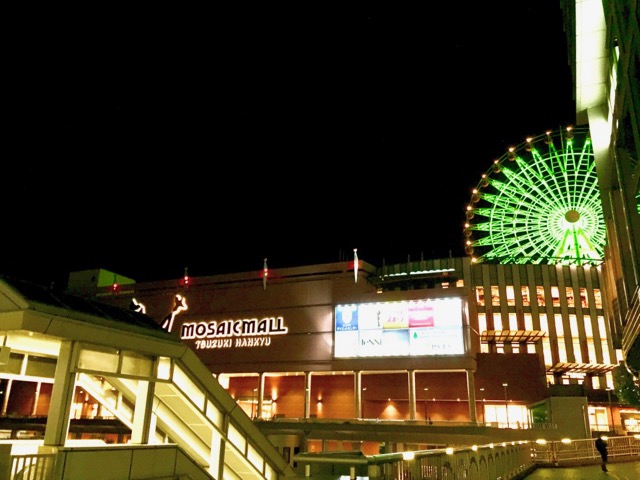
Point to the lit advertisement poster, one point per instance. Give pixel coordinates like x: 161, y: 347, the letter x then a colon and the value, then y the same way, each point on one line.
x: 407, y: 328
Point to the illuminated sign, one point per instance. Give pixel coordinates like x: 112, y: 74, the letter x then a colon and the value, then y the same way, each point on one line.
x: 246, y: 332
x: 407, y: 328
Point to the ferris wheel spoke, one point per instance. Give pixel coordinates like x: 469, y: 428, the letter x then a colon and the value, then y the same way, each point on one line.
x: 544, y: 207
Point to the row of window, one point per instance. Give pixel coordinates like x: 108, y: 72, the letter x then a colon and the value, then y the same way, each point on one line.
x: 541, y: 300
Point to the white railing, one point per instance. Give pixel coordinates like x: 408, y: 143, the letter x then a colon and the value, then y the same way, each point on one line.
x: 504, y: 460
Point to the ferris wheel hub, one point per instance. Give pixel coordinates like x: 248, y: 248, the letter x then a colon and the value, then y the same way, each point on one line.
x: 572, y: 216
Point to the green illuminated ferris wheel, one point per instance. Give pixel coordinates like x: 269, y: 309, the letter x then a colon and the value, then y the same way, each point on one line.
x: 539, y: 203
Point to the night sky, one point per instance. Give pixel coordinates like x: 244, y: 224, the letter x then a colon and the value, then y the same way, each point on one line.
x: 146, y: 141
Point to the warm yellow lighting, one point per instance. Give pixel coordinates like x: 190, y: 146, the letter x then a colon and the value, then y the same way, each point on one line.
x: 541, y: 441
x: 605, y: 438
x: 474, y: 448
x: 408, y: 455
x: 566, y: 440
x: 491, y: 445
x: 637, y: 436
x: 449, y: 450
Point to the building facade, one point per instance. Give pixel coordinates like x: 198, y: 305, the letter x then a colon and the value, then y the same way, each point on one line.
x: 604, y: 52
x: 440, y: 342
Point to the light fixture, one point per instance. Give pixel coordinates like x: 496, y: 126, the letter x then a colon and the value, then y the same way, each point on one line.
x: 569, y: 133
x: 511, y: 155
x: 529, y: 145
x: 408, y: 455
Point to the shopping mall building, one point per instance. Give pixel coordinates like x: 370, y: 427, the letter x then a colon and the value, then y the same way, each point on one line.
x: 441, y: 342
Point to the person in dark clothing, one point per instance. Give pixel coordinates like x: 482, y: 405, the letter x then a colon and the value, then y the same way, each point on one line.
x: 601, y: 446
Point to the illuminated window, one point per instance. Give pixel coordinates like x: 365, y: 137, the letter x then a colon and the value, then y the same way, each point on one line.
x: 480, y: 296
x: 555, y: 295
x: 598, y: 297
x: 497, y: 321
x: 511, y: 298
x: 583, y: 297
x: 591, y: 347
x: 562, y: 350
x: 531, y: 348
x: 484, y: 348
x: 500, y: 347
x: 540, y: 296
x: 482, y: 322
x: 573, y: 324
x: 559, y: 326
x: 601, y: 327
x: 528, y: 321
x: 546, y: 348
x: 495, y: 295
x: 571, y: 301
x: 577, y: 352
x: 525, y: 296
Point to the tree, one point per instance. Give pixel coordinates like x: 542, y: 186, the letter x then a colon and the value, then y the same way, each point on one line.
x: 626, y: 386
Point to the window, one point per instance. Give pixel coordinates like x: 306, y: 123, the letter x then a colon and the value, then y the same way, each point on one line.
x: 480, y: 296
x: 525, y: 296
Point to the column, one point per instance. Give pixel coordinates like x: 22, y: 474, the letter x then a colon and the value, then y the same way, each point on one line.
x: 7, y: 393
x: 64, y: 385
x: 412, y: 394
x: 260, y: 395
x: 357, y: 392
x: 307, y: 394
x: 36, y: 397
x: 141, y: 428
x: 471, y: 392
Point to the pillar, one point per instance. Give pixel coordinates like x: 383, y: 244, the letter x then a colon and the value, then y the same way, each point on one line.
x: 358, y: 392
x: 64, y: 384
x: 307, y: 394
x: 471, y: 392
x: 412, y: 394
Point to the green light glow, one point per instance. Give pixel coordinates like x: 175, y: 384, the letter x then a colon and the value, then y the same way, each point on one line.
x: 542, y: 207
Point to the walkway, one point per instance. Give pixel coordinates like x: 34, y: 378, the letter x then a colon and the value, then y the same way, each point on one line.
x: 617, y: 471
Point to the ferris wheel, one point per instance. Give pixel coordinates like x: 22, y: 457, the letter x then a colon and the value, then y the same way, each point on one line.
x: 539, y: 203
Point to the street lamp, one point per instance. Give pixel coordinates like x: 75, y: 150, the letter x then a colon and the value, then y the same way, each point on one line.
x: 506, y: 402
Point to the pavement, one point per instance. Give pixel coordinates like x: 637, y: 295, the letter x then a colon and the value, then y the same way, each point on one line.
x: 618, y: 470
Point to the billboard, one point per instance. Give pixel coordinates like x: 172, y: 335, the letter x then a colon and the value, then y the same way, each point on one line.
x: 399, y: 329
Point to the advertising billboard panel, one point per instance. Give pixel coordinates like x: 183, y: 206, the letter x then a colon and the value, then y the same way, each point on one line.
x: 399, y: 329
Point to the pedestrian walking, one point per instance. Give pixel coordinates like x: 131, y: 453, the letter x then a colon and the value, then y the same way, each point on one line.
x: 601, y: 446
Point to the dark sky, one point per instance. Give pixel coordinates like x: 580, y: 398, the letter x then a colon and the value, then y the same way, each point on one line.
x: 146, y: 141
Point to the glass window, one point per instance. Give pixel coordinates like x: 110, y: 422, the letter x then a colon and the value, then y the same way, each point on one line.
x: 511, y: 298
x: 555, y: 295
x: 480, y: 296
x: 188, y: 387
x: 540, y: 296
x: 482, y: 322
x: 136, y: 364
x: 98, y: 359
x: 528, y: 321
x: 583, y: 297
x: 497, y: 321
x: 571, y: 301
x: 495, y: 295
x: 598, y: 297
x: 525, y: 296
